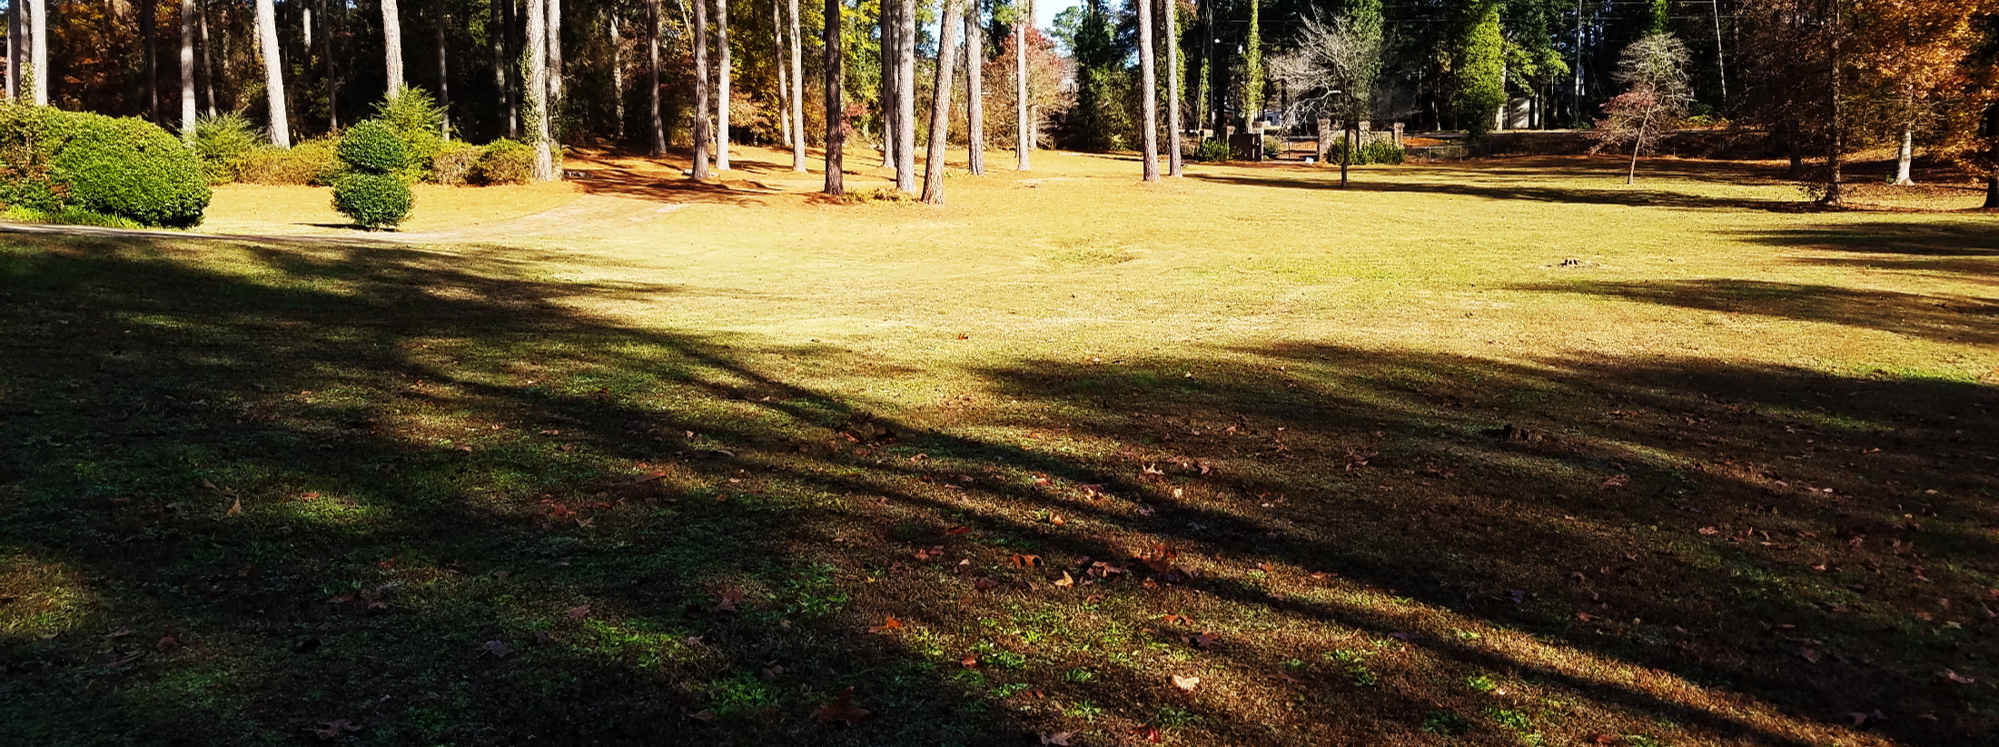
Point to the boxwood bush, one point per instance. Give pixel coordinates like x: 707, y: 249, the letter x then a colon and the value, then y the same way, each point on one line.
x: 374, y: 146
x: 55, y: 161
x: 373, y: 200
x: 506, y: 162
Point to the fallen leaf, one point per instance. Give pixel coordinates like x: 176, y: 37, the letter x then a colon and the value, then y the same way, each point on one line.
x: 236, y: 509
x: 955, y: 531
x: 1177, y: 619
x: 579, y: 612
x: 1710, y: 531
x: 1606, y: 739
x: 985, y: 584
x: 1148, y: 733
x: 1056, y: 519
x: 841, y: 709
x: 1811, y: 655
x: 1186, y: 683
x: 543, y: 639
x: 1060, y: 737
x: 1066, y: 581
x: 496, y: 648
x: 1616, y: 482
x: 969, y: 661
x: 168, y: 640
x: 335, y: 728
x: 1026, y: 561
x: 703, y: 716
x: 890, y: 624
x: 1950, y: 676
x: 1204, y: 640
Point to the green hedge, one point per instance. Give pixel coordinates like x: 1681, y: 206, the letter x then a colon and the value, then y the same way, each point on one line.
x: 455, y: 163
x: 1372, y: 151
x: 373, y: 200
x: 311, y: 162
x: 55, y: 161
x: 506, y: 162
x: 374, y: 146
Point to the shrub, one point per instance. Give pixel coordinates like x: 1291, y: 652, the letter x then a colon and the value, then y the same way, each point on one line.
x: 221, y: 142
x: 373, y: 200
x: 1369, y: 152
x: 454, y: 163
x: 67, y: 217
x: 418, y: 119
x: 1211, y: 151
x: 56, y: 160
x: 311, y: 162
x: 506, y: 161
x: 375, y: 147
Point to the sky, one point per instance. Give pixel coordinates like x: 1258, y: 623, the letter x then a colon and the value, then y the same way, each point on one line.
x: 1045, y: 10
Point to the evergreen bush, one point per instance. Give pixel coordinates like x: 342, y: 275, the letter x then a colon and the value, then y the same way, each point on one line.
x: 54, y: 161
x: 222, y: 142
x: 375, y: 147
x: 373, y: 200
x: 506, y: 161
x: 455, y: 162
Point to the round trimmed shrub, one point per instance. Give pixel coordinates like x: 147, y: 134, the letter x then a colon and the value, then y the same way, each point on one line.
x: 506, y: 162
x: 60, y: 160
x: 373, y: 200
x: 373, y: 145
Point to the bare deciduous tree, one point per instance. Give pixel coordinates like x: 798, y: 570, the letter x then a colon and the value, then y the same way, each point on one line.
x: 1653, y: 71
x: 1333, y: 71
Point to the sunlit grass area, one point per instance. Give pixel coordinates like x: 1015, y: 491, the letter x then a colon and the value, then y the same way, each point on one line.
x: 1500, y: 452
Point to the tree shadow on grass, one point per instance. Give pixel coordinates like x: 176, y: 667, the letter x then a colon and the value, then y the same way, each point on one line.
x: 255, y: 444
x: 1945, y: 317
x: 1619, y: 195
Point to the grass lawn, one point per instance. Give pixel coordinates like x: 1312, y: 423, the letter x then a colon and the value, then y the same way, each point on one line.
x: 1492, y: 453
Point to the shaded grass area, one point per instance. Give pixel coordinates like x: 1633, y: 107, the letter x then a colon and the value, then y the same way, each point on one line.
x: 253, y: 489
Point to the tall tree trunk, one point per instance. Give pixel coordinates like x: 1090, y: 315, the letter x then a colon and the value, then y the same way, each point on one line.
x: 891, y: 49
x: 1904, y: 158
x: 940, y: 104
x: 38, y: 51
x: 392, y: 45
x: 1149, y: 85
x: 617, y: 76
x: 1835, y: 156
x: 701, y: 89
x: 226, y: 74
x: 783, y: 77
x: 13, y: 82
x: 723, y: 76
x: 836, y: 106
x: 797, y: 91
x: 503, y: 68
x: 1023, y: 132
x: 536, y: 88
x: 1992, y: 178
x: 975, y: 105
x: 274, y: 80
x: 555, y: 94
x: 187, y: 108
x: 149, y: 13
x: 332, y: 82
x: 1173, y: 70
x: 443, y: 74
x: 905, y: 93
x: 658, y: 126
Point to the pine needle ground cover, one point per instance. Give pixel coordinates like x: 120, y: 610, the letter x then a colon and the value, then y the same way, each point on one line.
x: 1490, y: 453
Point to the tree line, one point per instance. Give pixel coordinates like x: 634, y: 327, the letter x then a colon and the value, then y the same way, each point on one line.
x: 1824, y: 78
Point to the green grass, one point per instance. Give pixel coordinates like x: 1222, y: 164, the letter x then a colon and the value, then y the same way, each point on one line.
x: 1405, y: 481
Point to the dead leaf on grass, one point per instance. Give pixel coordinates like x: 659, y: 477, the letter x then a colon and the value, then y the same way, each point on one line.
x: 1710, y: 531
x: 1616, y: 482
x: 579, y: 612
x: 1147, y: 733
x: 1186, y: 683
x: 168, y: 640
x: 1026, y: 561
x: 955, y: 531
x: 890, y: 624
x: 985, y: 584
x: 1066, y: 581
x: 1060, y: 737
x: 1953, y: 677
x: 841, y: 709
x: 1811, y: 655
x: 969, y: 661
x: 703, y: 716
x: 496, y: 648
